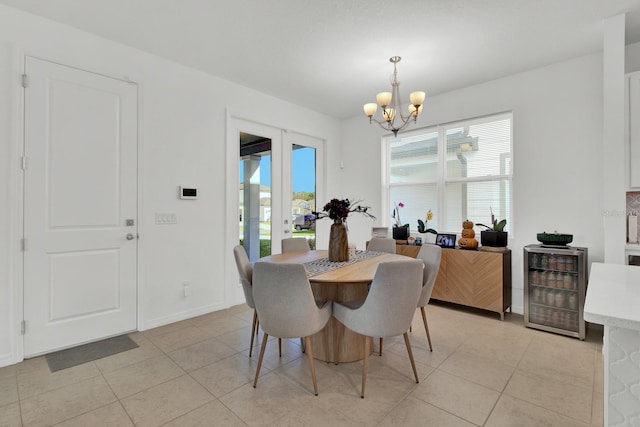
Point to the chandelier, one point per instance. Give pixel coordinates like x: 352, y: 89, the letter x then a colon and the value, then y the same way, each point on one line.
x: 391, y: 105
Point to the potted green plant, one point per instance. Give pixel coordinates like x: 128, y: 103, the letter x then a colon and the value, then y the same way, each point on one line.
x: 494, y: 235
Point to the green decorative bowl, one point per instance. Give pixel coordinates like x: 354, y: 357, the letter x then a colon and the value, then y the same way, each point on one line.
x: 554, y: 239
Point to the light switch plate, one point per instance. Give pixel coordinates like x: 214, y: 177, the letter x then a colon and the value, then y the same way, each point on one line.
x: 166, y: 219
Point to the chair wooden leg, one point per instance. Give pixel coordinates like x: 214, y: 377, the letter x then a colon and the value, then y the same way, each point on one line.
x: 264, y: 345
x: 380, y: 349
x: 365, y: 364
x: 311, y: 365
x: 413, y: 363
x: 302, y: 344
x: 280, y: 346
x: 254, y: 328
x: 426, y: 327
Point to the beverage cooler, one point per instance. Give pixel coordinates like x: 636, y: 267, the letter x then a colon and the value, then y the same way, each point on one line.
x: 555, y: 282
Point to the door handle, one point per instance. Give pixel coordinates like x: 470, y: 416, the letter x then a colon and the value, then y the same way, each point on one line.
x: 130, y: 236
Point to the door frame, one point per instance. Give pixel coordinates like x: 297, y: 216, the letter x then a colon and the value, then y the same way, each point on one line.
x: 17, y: 188
x: 233, y: 290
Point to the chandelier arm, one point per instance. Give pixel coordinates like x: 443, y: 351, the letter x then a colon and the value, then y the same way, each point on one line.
x: 397, y: 105
x: 382, y: 123
x: 403, y: 125
x: 386, y: 126
x: 396, y: 102
x: 407, y: 122
x: 403, y: 117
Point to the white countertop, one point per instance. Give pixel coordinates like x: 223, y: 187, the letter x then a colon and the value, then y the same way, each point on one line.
x: 613, y: 295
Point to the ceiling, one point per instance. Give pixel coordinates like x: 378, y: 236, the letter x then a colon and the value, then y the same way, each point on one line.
x: 332, y: 56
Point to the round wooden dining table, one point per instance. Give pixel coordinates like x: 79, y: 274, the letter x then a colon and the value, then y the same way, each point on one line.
x: 337, y: 343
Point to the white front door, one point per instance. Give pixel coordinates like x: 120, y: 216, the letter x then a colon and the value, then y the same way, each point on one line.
x: 80, y: 206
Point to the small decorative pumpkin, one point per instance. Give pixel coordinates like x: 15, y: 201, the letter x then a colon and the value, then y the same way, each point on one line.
x: 467, y: 224
x: 468, y: 232
x: 467, y: 243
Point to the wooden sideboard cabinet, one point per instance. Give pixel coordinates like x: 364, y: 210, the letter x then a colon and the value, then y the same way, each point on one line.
x: 471, y: 277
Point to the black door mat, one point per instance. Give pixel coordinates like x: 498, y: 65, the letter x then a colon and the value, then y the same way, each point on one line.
x: 88, y: 352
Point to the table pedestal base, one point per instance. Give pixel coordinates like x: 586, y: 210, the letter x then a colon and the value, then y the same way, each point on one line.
x: 335, y: 335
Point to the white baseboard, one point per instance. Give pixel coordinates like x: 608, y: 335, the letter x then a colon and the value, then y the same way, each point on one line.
x: 183, y: 315
x: 7, y: 359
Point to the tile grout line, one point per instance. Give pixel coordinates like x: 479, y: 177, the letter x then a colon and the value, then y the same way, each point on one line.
x: 116, y: 396
x: 538, y: 405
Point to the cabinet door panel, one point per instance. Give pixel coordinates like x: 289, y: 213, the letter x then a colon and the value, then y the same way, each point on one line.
x: 440, y: 287
x: 475, y: 279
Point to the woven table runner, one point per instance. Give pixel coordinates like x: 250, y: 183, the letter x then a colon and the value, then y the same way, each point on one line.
x: 323, y: 265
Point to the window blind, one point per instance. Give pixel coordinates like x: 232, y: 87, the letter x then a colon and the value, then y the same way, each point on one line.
x: 459, y: 171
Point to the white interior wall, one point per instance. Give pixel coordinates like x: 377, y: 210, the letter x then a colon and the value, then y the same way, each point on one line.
x: 182, y: 136
x: 557, y: 153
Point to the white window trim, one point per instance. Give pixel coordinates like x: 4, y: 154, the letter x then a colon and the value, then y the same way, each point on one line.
x: 442, y: 180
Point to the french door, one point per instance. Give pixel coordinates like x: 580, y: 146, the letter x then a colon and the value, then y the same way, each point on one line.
x: 278, y: 175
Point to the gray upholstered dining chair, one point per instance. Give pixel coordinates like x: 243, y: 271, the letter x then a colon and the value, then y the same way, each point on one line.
x: 382, y: 244
x: 246, y: 276
x: 430, y: 256
x: 286, y: 307
x: 295, y: 244
x: 388, y: 309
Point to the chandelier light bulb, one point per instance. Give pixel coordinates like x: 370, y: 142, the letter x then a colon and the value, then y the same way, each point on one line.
x: 384, y: 99
x: 417, y: 98
x: 370, y: 109
x: 389, y: 114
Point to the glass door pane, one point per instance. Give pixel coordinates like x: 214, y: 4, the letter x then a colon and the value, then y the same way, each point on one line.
x: 303, y: 192
x: 255, y: 195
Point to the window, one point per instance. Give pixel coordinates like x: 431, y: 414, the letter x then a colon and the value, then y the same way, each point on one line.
x: 459, y: 170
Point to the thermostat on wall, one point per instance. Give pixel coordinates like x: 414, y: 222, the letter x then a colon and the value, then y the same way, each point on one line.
x: 189, y: 193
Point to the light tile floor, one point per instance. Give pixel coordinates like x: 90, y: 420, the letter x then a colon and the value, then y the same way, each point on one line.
x: 197, y: 372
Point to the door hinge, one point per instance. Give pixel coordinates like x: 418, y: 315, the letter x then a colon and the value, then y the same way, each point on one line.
x: 25, y: 81
x: 23, y: 245
x: 23, y: 327
x: 25, y: 163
